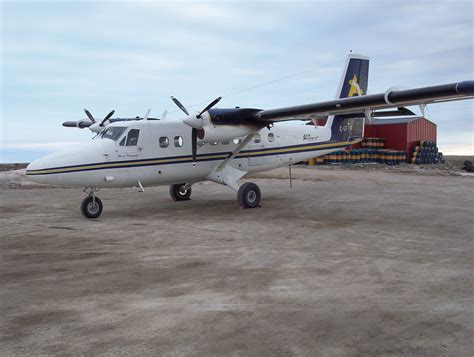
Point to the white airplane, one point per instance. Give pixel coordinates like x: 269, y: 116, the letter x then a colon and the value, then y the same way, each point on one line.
x: 222, y: 145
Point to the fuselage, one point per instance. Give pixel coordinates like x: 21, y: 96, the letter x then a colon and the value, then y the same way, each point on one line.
x: 151, y: 152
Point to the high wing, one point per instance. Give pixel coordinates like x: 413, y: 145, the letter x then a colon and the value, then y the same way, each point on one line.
x: 389, y: 99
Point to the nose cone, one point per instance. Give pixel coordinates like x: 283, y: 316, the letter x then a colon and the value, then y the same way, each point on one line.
x: 64, y: 168
x: 38, y: 170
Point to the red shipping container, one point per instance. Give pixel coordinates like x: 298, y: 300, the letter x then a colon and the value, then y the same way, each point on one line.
x: 401, y: 133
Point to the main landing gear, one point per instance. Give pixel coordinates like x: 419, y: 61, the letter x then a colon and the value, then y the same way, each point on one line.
x: 91, y: 206
x: 249, y: 195
x: 180, y: 192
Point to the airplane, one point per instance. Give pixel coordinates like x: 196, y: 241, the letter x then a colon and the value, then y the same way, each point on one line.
x: 224, y: 144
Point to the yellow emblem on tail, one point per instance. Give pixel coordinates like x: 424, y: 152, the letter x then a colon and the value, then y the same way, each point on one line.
x: 355, y: 88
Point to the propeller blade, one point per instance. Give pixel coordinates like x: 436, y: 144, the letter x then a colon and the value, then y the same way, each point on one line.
x: 89, y: 115
x: 180, y: 106
x: 209, y: 106
x: 107, y: 117
x: 194, y: 143
x: 163, y: 116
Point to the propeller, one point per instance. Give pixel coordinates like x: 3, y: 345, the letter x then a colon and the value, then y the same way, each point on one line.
x: 92, y: 123
x: 107, y: 117
x: 193, y: 123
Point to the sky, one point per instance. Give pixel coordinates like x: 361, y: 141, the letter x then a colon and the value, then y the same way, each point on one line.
x: 59, y: 57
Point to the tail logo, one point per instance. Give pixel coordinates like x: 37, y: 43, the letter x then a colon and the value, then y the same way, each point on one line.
x: 355, y: 88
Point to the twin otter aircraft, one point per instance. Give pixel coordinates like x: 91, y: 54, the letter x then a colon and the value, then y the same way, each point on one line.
x: 222, y: 145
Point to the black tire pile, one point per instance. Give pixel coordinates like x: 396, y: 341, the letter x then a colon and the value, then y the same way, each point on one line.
x: 467, y: 166
x: 426, y: 153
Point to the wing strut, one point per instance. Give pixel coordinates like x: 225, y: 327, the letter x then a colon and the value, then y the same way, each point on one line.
x: 226, y: 174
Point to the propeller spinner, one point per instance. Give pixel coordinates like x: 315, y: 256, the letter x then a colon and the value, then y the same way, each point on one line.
x: 195, y: 122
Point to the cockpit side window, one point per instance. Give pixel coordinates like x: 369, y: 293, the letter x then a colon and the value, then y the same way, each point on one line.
x: 112, y: 132
x: 132, y: 137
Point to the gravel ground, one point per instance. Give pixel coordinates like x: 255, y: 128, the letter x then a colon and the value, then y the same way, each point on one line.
x: 346, y: 263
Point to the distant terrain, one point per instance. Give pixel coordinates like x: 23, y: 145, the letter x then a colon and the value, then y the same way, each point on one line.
x: 10, y: 167
x: 453, y: 161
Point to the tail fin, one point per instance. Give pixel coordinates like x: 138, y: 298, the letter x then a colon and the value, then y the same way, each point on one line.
x: 354, y: 82
x: 355, y: 78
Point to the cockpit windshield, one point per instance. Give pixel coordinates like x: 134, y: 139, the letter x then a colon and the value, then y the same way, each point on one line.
x: 112, y: 132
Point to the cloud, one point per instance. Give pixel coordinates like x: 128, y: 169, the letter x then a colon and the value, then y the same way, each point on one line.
x: 38, y: 146
x: 59, y: 57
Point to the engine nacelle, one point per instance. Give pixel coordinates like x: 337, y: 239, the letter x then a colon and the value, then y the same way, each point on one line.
x: 208, y: 132
x: 212, y: 133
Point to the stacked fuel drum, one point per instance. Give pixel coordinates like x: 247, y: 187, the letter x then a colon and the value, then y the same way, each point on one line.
x: 356, y: 156
x: 372, y: 143
x: 371, y: 151
x: 426, y: 152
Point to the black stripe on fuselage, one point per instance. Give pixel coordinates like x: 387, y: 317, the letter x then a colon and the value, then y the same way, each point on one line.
x: 173, y: 160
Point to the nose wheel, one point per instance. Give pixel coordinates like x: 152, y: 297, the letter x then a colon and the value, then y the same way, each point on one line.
x: 91, y: 206
x: 180, y: 192
x: 249, y: 195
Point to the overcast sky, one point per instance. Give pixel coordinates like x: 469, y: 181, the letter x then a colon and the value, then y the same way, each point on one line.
x: 60, y: 57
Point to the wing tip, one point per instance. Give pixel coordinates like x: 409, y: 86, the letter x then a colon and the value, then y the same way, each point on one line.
x: 465, y: 88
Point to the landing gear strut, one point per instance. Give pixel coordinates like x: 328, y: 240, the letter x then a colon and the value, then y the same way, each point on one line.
x: 91, y: 206
x: 180, y: 192
x: 249, y: 195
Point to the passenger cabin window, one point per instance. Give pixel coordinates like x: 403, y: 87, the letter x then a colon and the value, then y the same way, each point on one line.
x: 237, y: 141
x: 132, y: 137
x: 178, y: 141
x: 257, y: 138
x: 225, y: 142
x: 271, y: 137
x: 164, y: 142
x: 214, y: 143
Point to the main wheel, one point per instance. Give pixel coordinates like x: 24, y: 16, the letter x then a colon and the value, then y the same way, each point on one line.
x: 91, y: 209
x: 249, y: 195
x: 179, y: 193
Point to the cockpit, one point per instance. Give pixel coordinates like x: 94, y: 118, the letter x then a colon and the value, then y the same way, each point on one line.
x: 112, y: 133
x: 115, y: 133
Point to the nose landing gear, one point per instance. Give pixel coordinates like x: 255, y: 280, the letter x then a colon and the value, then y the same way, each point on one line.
x: 91, y: 206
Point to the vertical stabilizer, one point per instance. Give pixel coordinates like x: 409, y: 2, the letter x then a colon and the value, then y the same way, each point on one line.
x: 354, y: 82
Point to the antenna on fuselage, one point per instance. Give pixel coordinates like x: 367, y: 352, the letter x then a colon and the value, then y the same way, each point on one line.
x: 146, y: 115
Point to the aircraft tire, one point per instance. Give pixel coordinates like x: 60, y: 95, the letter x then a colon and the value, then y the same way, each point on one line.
x: 249, y: 195
x: 89, y: 210
x: 176, y: 193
